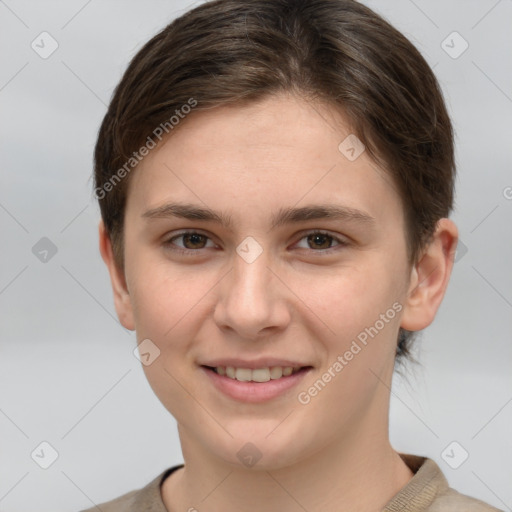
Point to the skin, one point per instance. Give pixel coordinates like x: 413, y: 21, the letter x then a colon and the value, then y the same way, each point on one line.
x: 302, y: 298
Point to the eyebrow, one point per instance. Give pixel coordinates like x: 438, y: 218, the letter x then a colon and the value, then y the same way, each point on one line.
x: 283, y: 216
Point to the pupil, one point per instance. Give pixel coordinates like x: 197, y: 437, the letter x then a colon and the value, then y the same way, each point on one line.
x: 320, y: 237
x: 194, y: 238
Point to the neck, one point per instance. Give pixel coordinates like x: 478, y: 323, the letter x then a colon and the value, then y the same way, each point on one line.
x: 337, y: 477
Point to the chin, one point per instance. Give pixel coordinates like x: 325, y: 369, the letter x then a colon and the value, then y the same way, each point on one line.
x: 259, y: 452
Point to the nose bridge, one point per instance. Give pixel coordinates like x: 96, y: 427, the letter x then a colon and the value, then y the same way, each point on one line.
x: 249, y: 299
x: 250, y: 280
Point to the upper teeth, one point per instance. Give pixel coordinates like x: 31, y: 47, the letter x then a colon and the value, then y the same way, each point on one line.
x: 258, y: 374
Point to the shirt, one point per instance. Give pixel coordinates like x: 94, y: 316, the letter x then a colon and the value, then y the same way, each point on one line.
x: 426, y: 491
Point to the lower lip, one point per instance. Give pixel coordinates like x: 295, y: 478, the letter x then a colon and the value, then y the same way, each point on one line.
x: 254, y: 392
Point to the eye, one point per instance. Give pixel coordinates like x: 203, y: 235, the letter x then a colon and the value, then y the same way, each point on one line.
x: 320, y: 241
x: 192, y: 241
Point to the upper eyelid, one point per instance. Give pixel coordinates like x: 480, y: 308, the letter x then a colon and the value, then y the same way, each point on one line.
x: 188, y: 232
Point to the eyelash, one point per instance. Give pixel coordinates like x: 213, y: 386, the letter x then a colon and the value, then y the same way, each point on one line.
x: 190, y: 252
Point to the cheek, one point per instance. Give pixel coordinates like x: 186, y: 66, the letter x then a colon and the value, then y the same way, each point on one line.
x: 169, y: 309
x: 164, y: 308
x: 362, y: 309
x: 350, y: 298
x: 162, y: 297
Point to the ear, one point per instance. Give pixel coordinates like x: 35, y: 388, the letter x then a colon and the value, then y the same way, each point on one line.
x: 117, y: 279
x: 429, y: 277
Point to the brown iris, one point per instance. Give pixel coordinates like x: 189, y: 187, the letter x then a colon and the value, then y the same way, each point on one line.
x: 320, y: 236
x: 194, y: 238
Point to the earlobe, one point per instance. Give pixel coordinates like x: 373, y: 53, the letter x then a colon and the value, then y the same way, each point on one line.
x: 429, y: 278
x: 122, y: 300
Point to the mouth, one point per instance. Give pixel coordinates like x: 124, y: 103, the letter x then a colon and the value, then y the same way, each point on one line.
x: 254, y: 385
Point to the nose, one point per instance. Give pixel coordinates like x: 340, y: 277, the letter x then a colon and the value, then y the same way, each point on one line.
x: 252, y: 299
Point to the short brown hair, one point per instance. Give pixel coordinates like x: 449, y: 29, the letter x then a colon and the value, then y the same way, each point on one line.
x: 337, y: 52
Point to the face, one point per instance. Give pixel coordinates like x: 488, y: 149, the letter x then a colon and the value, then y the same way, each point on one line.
x: 310, y: 290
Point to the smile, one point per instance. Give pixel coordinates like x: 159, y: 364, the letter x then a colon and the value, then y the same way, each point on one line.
x: 257, y: 384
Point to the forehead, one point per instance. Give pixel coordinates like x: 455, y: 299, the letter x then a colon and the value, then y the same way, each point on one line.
x: 258, y: 157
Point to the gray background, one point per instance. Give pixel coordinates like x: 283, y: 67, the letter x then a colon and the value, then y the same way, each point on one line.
x: 67, y: 372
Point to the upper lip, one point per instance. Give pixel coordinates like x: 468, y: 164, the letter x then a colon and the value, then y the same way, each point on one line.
x: 267, y: 362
